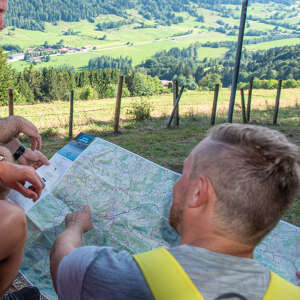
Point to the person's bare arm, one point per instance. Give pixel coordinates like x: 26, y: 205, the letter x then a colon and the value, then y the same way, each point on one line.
x: 30, y: 158
x: 4, y: 190
x: 13, y: 145
x: 12, y: 126
x: 8, y: 129
x: 77, y: 223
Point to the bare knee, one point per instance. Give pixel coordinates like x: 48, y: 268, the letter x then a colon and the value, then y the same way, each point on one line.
x: 13, y: 234
x: 13, y: 228
x: 13, y: 215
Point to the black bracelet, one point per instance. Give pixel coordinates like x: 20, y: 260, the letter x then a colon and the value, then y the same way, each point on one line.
x: 19, y: 152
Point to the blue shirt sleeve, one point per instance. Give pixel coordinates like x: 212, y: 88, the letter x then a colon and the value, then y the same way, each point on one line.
x: 91, y: 273
x: 71, y: 272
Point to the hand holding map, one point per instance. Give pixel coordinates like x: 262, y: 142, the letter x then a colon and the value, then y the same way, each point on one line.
x: 14, y: 176
x: 35, y: 159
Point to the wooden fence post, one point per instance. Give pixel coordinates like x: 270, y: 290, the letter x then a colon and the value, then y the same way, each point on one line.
x: 175, y: 96
x: 214, y: 109
x: 249, y: 98
x: 276, y: 110
x: 243, y: 107
x: 175, y: 107
x: 118, y: 105
x: 237, y: 60
x: 11, y: 102
x: 71, y: 115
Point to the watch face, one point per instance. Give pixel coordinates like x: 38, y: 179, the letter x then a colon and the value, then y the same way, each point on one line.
x: 2, y: 157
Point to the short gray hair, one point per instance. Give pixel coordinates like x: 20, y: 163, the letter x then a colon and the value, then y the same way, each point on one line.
x: 255, y: 174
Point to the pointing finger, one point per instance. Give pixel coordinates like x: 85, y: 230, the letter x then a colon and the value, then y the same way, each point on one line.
x: 33, y: 143
x: 39, y: 142
x: 44, y: 160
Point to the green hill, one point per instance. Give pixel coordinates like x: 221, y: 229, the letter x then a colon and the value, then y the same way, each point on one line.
x: 32, y: 14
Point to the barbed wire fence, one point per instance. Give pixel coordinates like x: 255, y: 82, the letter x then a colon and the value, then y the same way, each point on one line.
x: 73, y: 117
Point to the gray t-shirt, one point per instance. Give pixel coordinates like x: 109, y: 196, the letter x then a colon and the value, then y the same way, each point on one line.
x: 91, y: 273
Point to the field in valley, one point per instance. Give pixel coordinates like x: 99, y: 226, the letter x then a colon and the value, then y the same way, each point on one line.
x: 143, y: 43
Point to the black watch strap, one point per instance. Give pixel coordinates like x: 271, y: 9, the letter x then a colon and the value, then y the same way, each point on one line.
x: 19, y: 152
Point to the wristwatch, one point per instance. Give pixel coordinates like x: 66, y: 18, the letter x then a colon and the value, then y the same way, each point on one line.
x: 19, y: 152
x: 2, y: 157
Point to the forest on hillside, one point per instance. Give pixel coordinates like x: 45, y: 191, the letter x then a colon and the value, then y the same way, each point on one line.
x: 48, y: 84
x: 31, y: 14
x: 184, y: 65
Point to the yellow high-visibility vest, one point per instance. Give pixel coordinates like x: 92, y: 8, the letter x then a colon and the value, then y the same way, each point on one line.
x: 168, y: 281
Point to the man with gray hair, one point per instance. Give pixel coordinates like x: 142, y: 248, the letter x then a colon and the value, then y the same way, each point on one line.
x: 236, y: 185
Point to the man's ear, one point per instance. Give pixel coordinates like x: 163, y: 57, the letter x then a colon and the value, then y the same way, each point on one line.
x: 200, y: 192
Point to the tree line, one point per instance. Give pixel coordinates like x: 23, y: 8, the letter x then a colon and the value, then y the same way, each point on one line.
x: 107, y: 62
x: 185, y: 66
x: 113, y: 25
x: 273, y: 36
x: 48, y: 84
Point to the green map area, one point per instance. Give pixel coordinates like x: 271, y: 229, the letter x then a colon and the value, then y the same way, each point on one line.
x: 130, y: 198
